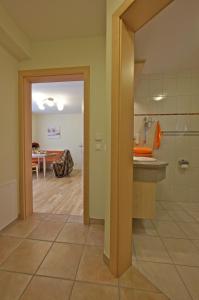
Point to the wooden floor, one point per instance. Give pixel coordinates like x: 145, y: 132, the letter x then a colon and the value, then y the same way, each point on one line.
x: 58, y: 195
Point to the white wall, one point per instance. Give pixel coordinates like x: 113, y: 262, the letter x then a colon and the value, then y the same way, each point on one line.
x: 83, y: 52
x: 71, y: 138
x: 8, y: 138
x: 182, y: 96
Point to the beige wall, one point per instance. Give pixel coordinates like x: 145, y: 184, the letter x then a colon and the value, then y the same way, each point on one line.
x: 8, y: 117
x: 71, y: 126
x: 8, y: 138
x: 83, y: 52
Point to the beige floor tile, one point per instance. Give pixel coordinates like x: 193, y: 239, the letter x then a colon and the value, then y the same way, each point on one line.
x: 38, y: 216
x: 180, y: 216
x: 159, y: 205
x: 7, y: 245
x: 196, y: 243
x: 150, y: 249
x: 190, y: 229
x: 95, y: 235
x: 45, y: 288
x: 20, y: 228
x: 75, y: 219
x: 47, y: 231
x: 85, y: 291
x: 191, y: 280
x: 73, y: 233
x: 57, y: 217
x: 182, y: 252
x: 165, y: 278
x: 27, y: 257
x: 168, y: 205
x: 145, y: 227
x: 162, y: 215
x: 129, y: 294
x: 169, y: 229
x: 62, y: 261
x: 132, y: 278
x: 12, y: 285
x: 92, y: 267
x: 194, y: 214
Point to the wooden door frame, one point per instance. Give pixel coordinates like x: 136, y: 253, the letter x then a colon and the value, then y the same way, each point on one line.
x: 26, y: 78
x: 133, y: 14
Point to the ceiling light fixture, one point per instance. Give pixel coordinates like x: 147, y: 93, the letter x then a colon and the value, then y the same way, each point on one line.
x: 50, y: 102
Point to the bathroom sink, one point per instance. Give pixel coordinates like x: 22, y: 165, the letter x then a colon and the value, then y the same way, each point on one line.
x: 142, y: 158
x: 149, y: 170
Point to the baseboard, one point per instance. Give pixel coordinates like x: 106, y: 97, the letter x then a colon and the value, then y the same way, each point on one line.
x: 96, y: 221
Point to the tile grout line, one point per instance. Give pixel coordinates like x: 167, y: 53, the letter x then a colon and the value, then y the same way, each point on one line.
x: 176, y: 269
x: 34, y: 274
x: 172, y: 263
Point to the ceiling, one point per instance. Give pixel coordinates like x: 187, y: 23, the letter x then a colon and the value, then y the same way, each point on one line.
x: 71, y: 93
x: 170, y: 41
x: 45, y: 20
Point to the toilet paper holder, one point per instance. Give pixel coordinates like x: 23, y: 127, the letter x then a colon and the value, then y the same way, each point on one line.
x: 183, y: 164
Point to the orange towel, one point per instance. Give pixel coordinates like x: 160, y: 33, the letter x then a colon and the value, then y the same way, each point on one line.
x: 157, y: 137
x: 142, y: 150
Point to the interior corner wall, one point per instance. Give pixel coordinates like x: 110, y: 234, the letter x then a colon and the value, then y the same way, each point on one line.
x: 83, y: 52
x: 8, y: 138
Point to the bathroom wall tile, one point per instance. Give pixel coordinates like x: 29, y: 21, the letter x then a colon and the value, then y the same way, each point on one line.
x: 182, y: 95
x: 195, y: 101
x: 183, y: 123
x: 156, y: 87
x: 167, y: 123
x: 194, y: 123
x: 184, y: 85
x: 184, y: 103
x: 170, y: 86
x: 194, y: 84
x: 142, y: 89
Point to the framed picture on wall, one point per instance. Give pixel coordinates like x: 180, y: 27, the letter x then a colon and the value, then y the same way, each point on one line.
x: 54, y: 132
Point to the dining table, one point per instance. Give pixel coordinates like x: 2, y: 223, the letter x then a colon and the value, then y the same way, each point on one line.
x: 41, y: 156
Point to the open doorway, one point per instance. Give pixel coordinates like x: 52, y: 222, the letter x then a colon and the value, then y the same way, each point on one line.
x: 27, y: 80
x: 57, y: 148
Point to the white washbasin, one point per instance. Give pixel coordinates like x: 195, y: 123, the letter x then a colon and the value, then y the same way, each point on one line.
x: 142, y: 158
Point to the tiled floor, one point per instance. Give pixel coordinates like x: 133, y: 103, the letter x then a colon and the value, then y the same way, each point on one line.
x: 166, y: 250
x: 56, y: 257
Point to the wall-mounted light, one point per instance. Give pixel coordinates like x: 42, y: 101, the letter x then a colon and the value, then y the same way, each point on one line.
x: 159, y: 97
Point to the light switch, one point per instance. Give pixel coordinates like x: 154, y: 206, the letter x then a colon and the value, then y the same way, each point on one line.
x: 98, y: 146
x: 98, y: 137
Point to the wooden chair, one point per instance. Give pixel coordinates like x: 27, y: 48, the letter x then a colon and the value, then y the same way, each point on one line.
x: 35, y: 168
